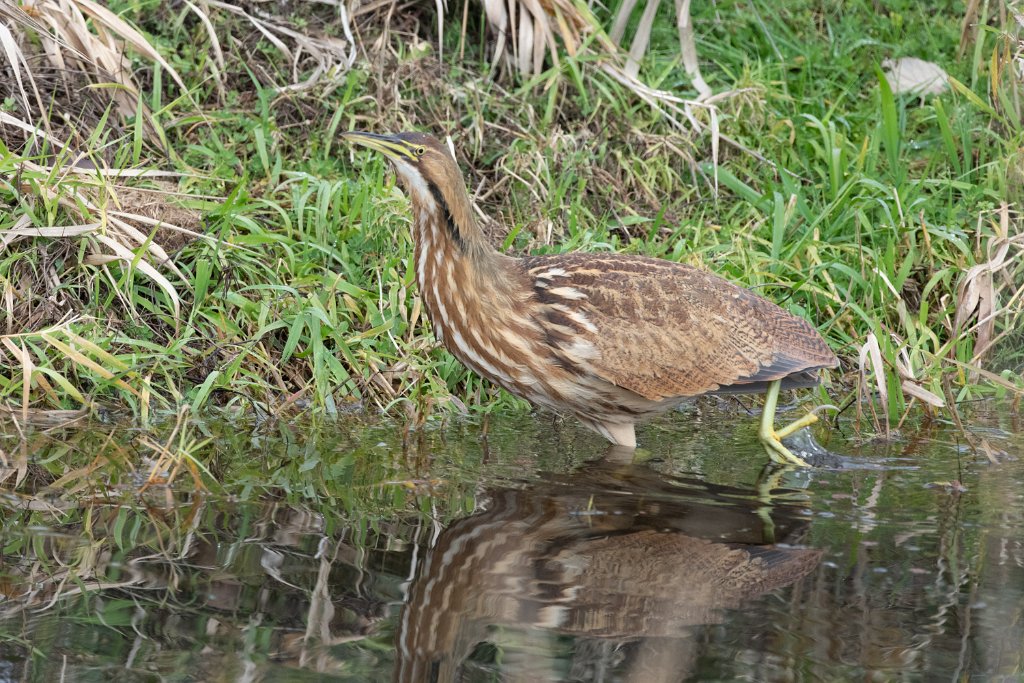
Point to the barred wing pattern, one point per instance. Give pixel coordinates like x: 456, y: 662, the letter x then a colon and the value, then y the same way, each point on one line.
x: 667, y: 330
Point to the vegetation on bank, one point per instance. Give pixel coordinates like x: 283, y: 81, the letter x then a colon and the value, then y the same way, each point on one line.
x: 209, y: 241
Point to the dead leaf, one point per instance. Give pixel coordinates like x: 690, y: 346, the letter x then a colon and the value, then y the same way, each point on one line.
x: 922, y: 394
x: 915, y: 76
x: 870, y: 352
x: 955, y: 486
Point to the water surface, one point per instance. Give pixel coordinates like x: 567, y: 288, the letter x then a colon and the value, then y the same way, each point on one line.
x: 355, y: 551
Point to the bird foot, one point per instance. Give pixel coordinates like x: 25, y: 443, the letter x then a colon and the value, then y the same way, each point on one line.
x: 772, y: 438
x: 772, y: 441
x: 795, y: 426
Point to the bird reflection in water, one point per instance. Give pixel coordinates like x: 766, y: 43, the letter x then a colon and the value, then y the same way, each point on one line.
x: 621, y: 559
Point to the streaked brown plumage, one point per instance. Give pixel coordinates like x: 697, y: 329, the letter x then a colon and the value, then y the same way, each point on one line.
x: 634, y: 574
x: 609, y: 338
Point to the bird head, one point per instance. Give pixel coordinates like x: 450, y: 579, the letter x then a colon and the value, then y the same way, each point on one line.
x: 432, y: 180
x: 427, y: 170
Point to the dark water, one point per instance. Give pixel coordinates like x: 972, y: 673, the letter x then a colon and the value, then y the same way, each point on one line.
x: 536, y: 554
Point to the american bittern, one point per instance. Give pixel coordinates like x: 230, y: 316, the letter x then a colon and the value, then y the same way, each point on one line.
x: 609, y: 338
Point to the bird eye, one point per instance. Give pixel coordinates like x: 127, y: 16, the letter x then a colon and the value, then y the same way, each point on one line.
x: 420, y: 151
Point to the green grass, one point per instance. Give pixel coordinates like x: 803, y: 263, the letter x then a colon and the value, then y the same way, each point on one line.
x: 866, y: 215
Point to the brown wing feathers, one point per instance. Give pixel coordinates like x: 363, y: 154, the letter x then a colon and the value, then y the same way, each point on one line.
x: 666, y: 330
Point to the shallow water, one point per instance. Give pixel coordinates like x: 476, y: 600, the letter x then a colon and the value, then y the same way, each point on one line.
x: 340, y: 553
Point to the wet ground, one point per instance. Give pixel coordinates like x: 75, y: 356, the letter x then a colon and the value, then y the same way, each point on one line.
x: 337, y: 552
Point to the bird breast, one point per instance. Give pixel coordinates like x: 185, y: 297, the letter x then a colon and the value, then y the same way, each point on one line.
x: 489, y: 317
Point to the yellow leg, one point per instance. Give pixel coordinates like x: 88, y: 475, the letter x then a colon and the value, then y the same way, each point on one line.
x: 772, y: 439
x: 793, y: 427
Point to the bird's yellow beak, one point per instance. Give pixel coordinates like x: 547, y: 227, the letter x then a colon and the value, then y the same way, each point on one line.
x: 388, y: 145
